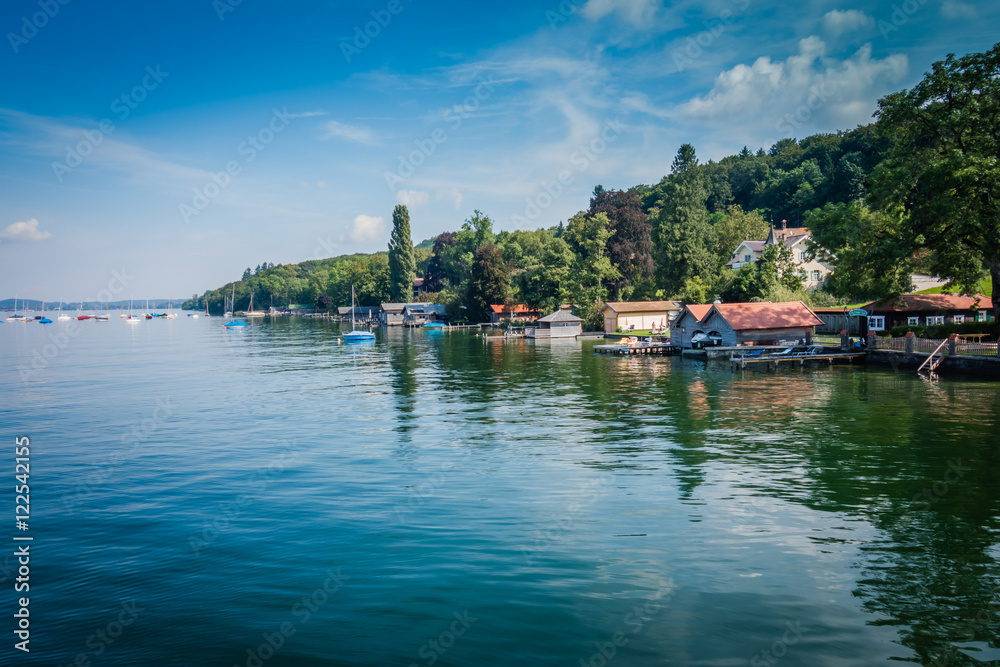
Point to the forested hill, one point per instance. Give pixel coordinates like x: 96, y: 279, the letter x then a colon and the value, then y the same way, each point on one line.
x: 781, y: 183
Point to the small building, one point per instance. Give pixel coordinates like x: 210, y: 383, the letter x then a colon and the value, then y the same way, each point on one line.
x: 418, y: 314
x: 361, y: 313
x: 836, y: 320
x: 391, y: 314
x: 560, y: 324
x: 419, y: 287
x: 748, y: 252
x: 516, y: 313
x: 688, y: 324
x: 301, y: 309
x: 632, y: 315
x: 762, y: 323
x: 796, y: 239
x: 928, y: 310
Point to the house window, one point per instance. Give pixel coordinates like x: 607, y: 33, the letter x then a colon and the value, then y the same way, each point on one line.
x: 935, y: 319
x: 913, y: 321
x: 802, y: 257
x: 876, y: 323
x: 981, y: 316
x: 958, y: 319
x: 817, y: 276
x: 746, y: 258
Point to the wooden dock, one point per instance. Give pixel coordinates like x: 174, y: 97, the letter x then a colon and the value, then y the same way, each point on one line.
x: 663, y: 349
x: 742, y: 362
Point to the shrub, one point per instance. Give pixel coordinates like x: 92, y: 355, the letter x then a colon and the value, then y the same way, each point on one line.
x: 938, y: 331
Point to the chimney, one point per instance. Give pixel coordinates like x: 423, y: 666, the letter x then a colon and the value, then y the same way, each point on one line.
x: 784, y: 224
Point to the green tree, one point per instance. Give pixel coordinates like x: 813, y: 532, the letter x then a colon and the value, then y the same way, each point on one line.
x: 944, y: 168
x: 630, y: 247
x: 402, y: 265
x: 587, y: 236
x: 489, y: 283
x: 681, y: 230
x: 735, y: 227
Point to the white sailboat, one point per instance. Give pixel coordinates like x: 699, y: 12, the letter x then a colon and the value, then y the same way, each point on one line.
x: 355, y: 336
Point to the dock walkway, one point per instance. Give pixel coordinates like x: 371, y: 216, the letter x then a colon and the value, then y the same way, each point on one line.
x: 741, y: 362
x: 664, y: 349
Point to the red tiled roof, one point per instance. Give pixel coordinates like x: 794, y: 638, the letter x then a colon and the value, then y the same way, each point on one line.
x: 932, y: 302
x: 749, y: 316
x: 641, y: 306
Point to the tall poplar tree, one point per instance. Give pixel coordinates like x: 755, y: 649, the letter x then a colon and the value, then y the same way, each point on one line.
x: 402, y: 265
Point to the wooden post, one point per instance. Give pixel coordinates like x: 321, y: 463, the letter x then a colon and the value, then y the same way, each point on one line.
x: 909, y: 342
x: 843, y: 340
x: 952, y: 344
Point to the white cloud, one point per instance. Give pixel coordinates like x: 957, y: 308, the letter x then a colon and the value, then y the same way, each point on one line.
x: 839, y: 21
x: 842, y: 92
x: 639, y: 13
x: 451, y: 194
x: 412, y: 198
x: 357, y: 133
x: 366, y: 229
x: 24, y: 231
x: 953, y: 9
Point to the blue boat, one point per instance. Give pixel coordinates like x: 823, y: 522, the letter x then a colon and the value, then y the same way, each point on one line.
x: 45, y: 320
x: 433, y: 325
x: 235, y: 324
x: 356, y: 336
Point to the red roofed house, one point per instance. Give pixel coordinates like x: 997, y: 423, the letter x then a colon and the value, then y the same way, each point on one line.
x: 631, y: 315
x: 759, y: 323
x: 928, y: 309
x: 517, y: 313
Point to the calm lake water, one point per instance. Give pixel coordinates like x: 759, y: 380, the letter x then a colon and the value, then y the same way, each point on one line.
x: 274, y: 497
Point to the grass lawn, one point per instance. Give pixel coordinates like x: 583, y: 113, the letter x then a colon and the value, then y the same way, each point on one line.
x: 985, y: 287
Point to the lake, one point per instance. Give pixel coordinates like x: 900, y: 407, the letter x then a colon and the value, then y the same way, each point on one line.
x: 275, y: 497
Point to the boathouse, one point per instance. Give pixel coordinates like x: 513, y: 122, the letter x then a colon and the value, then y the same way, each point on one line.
x: 642, y: 315
x: 560, y: 324
x: 419, y: 314
x: 391, y: 314
x: 688, y: 323
x: 760, y: 323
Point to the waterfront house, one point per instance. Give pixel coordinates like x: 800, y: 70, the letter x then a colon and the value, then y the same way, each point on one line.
x: 560, y: 324
x: 632, y: 315
x: 688, y: 324
x: 760, y: 323
x: 927, y: 310
x: 391, y: 314
x: 515, y: 313
x: 419, y: 314
x: 836, y: 320
x: 763, y: 323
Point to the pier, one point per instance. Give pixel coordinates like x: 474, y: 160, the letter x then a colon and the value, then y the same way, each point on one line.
x: 663, y: 349
x: 742, y: 362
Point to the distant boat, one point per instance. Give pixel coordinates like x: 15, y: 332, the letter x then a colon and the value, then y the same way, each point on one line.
x: 130, y: 318
x: 235, y: 324
x: 433, y: 325
x: 43, y: 319
x: 251, y: 312
x: 356, y: 336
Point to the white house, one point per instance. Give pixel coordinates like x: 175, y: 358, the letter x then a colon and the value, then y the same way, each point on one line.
x: 795, y: 239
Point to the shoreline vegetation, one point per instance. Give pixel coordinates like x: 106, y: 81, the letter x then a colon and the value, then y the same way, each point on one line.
x: 907, y: 194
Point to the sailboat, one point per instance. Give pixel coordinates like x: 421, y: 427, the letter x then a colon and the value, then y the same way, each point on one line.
x: 228, y: 312
x: 131, y: 319
x: 63, y: 317
x: 355, y: 336
x: 43, y: 319
x: 251, y: 312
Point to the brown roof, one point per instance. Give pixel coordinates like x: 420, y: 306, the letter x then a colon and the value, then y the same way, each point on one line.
x: 766, y: 315
x: 641, y: 306
x: 519, y: 308
x: 932, y: 302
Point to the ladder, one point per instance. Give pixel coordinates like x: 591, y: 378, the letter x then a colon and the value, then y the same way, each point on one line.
x: 934, y: 360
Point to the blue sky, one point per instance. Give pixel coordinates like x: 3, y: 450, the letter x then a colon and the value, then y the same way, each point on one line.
x: 178, y: 144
